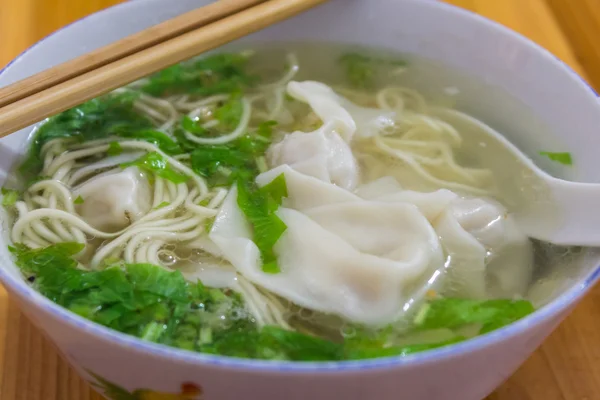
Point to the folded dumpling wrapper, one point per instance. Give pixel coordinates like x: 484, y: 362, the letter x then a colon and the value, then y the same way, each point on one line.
x: 369, y: 252
x: 340, y: 254
x: 322, y: 154
x: 349, y: 119
x: 113, y: 201
x: 325, y: 153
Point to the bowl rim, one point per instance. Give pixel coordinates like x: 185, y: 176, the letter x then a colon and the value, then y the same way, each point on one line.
x: 560, y: 304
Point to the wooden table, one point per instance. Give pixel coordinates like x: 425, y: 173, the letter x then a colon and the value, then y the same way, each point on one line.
x: 566, y: 367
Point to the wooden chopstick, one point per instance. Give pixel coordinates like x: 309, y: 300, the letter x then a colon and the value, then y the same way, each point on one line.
x: 122, y: 48
x: 101, y: 80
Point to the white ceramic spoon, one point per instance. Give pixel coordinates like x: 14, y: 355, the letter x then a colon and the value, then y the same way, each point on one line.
x: 545, y: 207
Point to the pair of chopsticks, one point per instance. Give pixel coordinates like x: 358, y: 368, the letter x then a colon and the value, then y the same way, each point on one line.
x: 103, y: 70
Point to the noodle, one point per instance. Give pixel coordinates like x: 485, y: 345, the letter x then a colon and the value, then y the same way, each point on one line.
x: 416, y: 146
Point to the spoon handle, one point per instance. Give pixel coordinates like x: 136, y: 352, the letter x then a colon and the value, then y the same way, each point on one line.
x: 569, y: 216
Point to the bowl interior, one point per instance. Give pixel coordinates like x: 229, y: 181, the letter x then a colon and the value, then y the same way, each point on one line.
x: 505, y: 80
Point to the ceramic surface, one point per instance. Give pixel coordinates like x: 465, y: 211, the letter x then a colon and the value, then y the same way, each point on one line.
x: 123, y: 366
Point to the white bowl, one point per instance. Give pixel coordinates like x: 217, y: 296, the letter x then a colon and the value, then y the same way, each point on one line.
x: 533, y: 78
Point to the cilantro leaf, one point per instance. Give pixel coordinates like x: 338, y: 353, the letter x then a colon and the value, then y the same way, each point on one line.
x: 155, y: 163
x: 563, y: 158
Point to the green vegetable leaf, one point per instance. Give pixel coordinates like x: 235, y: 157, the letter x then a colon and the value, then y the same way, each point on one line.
x: 155, y: 163
x: 54, y: 268
x: 139, y: 299
x: 375, y: 351
x: 159, y: 139
x: 563, y: 158
x: 454, y: 313
x: 159, y: 281
x: 273, y: 343
x: 9, y: 197
x: 217, y: 162
x: 219, y: 73
x: 265, y: 130
x: 259, y: 206
x: 102, y: 117
x: 224, y: 164
x: 114, y: 149
x: 237, y: 162
x: 78, y: 200
x: 193, y: 126
x: 157, y: 305
x: 360, y: 70
x: 230, y: 113
x: 284, y: 344
x: 275, y: 191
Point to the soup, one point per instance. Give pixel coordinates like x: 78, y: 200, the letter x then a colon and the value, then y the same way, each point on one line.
x: 227, y: 206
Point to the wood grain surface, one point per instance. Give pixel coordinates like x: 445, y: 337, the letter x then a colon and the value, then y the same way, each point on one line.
x: 566, y: 367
